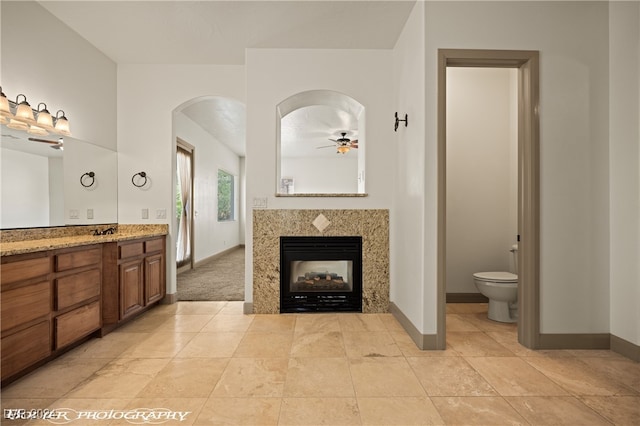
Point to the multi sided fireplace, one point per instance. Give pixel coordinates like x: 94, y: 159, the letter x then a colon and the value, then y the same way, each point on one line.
x: 320, y: 274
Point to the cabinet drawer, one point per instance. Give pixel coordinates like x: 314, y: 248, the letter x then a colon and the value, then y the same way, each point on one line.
x: 24, y: 269
x: 78, y: 259
x: 153, y: 245
x: 24, y: 348
x: 77, y: 324
x: 130, y: 250
x: 24, y: 304
x: 75, y: 288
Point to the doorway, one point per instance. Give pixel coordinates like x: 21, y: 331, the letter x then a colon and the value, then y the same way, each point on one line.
x: 184, y: 205
x: 215, y: 128
x: 528, y: 217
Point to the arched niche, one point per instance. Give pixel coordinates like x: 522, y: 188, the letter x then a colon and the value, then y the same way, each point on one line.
x: 320, y: 145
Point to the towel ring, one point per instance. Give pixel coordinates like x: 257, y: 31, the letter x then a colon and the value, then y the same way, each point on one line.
x: 88, y: 175
x: 142, y: 175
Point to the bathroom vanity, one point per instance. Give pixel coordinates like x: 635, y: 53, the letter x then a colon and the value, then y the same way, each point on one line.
x: 60, y: 286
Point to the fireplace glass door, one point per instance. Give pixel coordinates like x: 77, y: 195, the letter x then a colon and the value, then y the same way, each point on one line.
x: 321, y: 274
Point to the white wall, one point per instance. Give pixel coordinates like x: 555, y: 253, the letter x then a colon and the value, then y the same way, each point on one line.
x: 48, y: 62
x: 275, y: 74
x: 210, y: 236
x: 147, y: 97
x: 481, y: 193
x: 407, y: 218
x: 24, y: 192
x: 572, y: 40
x: 322, y: 175
x: 624, y: 163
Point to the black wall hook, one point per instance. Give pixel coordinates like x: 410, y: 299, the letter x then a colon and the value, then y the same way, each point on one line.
x: 86, y: 177
x: 143, y: 177
x: 406, y: 121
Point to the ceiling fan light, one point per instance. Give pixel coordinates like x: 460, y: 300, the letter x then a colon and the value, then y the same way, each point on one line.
x: 5, y: 110
x: 35, y: 130
x: 343, y: 149
x: 17, y: 125
x: 24, y: 112
x: 44, y: 118
x: 62, y: 124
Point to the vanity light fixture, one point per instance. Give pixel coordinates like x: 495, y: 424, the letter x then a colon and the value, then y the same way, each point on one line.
x: 24, y: 112
x: 20, y: 116
x: 44, y: 117
x: 62, y: 124
x: 44, y: 122
x: 23, y: 116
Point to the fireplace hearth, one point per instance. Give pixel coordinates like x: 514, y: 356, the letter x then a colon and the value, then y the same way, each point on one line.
x: 320, y: 274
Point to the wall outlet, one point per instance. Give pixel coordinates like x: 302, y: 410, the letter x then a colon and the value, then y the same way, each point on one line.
x: 161, y: 214
x: 74, y: 214
x: 89, y: 213
x: 145, y: 213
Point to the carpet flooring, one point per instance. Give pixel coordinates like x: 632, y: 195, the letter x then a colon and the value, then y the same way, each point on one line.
x: 220, y: 279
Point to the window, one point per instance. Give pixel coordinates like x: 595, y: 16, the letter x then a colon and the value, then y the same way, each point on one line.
x: 226, y: 196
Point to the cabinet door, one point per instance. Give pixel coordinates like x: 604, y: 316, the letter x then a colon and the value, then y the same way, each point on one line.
x: 131, y: 288
x: 153, y: 270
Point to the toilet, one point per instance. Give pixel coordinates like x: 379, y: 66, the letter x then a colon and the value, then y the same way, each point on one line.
x: 501, y: 288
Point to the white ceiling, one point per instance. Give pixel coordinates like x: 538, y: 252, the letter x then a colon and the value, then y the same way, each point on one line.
x: 219, y: 32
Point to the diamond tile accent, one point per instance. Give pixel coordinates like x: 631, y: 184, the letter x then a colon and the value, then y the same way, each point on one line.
x: 321, y: 222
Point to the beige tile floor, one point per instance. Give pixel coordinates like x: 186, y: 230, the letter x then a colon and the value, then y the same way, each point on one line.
x: 223, y: 367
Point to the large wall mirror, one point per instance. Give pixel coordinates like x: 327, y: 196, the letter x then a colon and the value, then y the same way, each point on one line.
x: 46, y: 181
x: 320, y: 145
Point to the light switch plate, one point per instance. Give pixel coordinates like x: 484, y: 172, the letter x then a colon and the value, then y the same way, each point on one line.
x: 259, y: 202
x: 89, y: 213
x: 145, y: 213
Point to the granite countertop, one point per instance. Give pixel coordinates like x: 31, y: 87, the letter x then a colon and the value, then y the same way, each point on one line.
x: 123, y: 233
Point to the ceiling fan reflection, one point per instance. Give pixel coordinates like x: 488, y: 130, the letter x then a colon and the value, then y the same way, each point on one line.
x: 59, y: 144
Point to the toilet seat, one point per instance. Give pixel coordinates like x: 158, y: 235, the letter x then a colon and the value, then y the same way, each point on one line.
x: 496, y: 277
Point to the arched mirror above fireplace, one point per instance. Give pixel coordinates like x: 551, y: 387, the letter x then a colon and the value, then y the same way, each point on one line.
x: 321, y: 145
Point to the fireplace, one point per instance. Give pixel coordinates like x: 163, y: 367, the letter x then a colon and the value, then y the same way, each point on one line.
x: 320, y: 274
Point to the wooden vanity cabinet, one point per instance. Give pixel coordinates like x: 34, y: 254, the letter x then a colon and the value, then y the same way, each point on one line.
x: 134, y: 280
x: 50, y: 300
x: 26, y: 286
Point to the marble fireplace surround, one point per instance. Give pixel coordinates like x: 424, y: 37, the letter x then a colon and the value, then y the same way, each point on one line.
x: 371, y: 224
